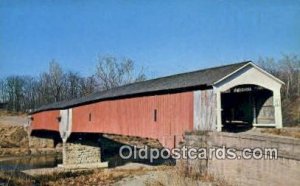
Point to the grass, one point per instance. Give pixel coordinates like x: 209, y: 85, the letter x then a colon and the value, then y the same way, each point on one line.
x: 195, y: 172
x: 153, y: 176
x: 104, y: 176
x: 164, y: 175
x: 8, y: 113
x: 78, y: 177
x: 15, y: 178
x: 180, y: 175
x: 293, y: 132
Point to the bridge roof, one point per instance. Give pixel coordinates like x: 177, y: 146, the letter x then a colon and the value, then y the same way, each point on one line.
x: 200, y: 79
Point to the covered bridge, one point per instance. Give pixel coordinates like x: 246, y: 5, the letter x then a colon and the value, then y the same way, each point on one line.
x: 234, y: 97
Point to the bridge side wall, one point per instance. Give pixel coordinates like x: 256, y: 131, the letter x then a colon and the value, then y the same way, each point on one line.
x: 164, y: 117
x: 205, y: 110
x: 46, y: 120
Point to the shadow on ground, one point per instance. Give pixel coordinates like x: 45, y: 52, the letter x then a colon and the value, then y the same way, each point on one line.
x: 110, y: 152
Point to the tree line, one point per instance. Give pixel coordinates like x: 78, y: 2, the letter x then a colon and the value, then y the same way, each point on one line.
x: 24, y: 93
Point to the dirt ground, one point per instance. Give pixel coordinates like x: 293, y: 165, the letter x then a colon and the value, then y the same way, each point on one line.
x: 127, y: 175
x: 12, y: 119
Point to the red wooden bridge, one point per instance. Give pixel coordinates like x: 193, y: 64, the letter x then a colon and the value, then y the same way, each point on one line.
x: 163, y: 108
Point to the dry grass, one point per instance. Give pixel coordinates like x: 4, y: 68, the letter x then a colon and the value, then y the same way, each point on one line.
x: 93, y: 177
x: 173, y: 177
x: 7, y: 113
x: 13, y: 136
x: 194, y: 174
x: 13, y: 141
x: 15, y: 178
x: 289, y: 132
x: 161, y: 175
x: 99, y: 177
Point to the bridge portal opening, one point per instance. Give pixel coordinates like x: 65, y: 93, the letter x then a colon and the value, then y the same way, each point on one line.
x: 245, y: 106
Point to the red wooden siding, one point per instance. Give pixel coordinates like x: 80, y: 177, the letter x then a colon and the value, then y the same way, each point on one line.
x: 135, y: 117
x: 46, y: 120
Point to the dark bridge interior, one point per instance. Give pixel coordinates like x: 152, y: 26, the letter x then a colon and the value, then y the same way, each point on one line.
x: 246, y: 105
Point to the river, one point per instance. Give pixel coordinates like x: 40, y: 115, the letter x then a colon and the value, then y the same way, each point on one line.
x: 30, y: 162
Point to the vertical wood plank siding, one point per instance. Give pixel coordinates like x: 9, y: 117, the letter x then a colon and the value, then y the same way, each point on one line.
x: 135, y: 117
x: 205, y: 110
x: 46, y: 120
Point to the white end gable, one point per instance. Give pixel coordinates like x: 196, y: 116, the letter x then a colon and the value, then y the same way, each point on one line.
x: 249, y: 74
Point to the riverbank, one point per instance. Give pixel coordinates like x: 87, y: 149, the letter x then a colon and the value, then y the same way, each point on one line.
x: 14, y: 138
x: 59, y: 176
x: 129, y: 174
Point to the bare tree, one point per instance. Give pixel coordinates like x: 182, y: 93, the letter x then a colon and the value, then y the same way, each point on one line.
x: 15, y: 91
x: 112, y: 72
x: 30, y: 93
x: 56, y: 80
x: 72, y: 88
x: 288, y: 70
x: 23, y: 93
x: 3, y: 91
x: 88, y: 85
x: 269, y: 64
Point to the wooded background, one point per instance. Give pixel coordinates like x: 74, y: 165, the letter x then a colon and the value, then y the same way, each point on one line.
x: 288, y: 70
x: 25, y: 93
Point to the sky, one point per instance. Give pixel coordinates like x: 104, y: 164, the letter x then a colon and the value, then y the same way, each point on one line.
x: 163, y: 36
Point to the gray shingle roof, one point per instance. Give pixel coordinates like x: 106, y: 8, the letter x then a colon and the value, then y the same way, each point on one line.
x: 194, y: 79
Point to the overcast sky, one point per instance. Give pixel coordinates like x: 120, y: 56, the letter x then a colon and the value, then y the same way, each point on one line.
x: 166, y: 37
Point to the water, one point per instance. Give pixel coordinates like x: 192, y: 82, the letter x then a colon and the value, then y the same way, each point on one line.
x: 25, y: 163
